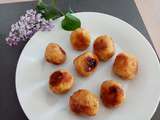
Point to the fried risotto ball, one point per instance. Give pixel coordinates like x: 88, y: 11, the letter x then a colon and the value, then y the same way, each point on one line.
x: 55, y: 54
x: 125, y: 66
x: 61, y: 81
x: 112, y: 94
x: 104, y: 47
x: 86, y: 63
x: 80, y: 39
x: 84, y: 102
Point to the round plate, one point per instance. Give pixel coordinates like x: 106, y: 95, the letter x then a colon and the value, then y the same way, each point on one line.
x: 39, y: 103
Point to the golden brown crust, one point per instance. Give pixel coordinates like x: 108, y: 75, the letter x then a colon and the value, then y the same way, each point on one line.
x: 80, y: 39
x: 61, y: 81
x: 112, y: 94
x: 125, y: 66
x: 104, y: 47
x: 86, y: 63
x: 55, y: 54
x: 84, y: 102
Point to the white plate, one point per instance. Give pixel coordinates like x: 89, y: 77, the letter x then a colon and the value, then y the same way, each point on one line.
x: 33, y: 73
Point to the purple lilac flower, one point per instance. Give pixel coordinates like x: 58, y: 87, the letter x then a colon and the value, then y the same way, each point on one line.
x: 27, y: 25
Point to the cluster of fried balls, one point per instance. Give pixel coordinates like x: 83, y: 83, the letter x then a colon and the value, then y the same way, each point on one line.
x: 111, y: 92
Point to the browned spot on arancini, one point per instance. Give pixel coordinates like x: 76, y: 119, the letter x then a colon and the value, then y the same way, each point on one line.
x: 91, y: 64
x: 100, y: 45
x: 62, y: 50
x: 56, y: 78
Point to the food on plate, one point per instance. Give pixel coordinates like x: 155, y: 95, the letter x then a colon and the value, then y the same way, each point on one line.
x: 125, y: 66
x: 61, y: 81
x: 84, y: 102
x: 104, y: 47
x: 80, y: 39
x: 55, y: 54
x: 112, y: 94
x: 86, y: 63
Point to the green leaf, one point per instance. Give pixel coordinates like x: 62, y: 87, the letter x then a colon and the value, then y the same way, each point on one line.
x: 52, y: 14
x: 41, y: 7
x: 70, y: 22
x: 46, y: 11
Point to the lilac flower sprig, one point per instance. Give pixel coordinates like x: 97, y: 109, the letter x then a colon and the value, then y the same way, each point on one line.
x: 27, y: 26
x: 40, y: 19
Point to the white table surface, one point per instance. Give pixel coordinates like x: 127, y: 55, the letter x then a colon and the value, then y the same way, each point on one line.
x: 149, y: 10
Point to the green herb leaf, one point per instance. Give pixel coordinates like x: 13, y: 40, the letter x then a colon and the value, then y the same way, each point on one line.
x: 52, y: 14
x: 41, y: 7
x: 70, y: 22
x: 48, y: 12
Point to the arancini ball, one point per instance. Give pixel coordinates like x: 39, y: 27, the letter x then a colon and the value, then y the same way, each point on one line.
x: 84, y: 102
x: 86, y: 63
x: 55, y: 54
x: 125, y: 66
x: 104, y: 47
x: 80, y: 39
x: 61, y: 81
x: 112, y: 94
